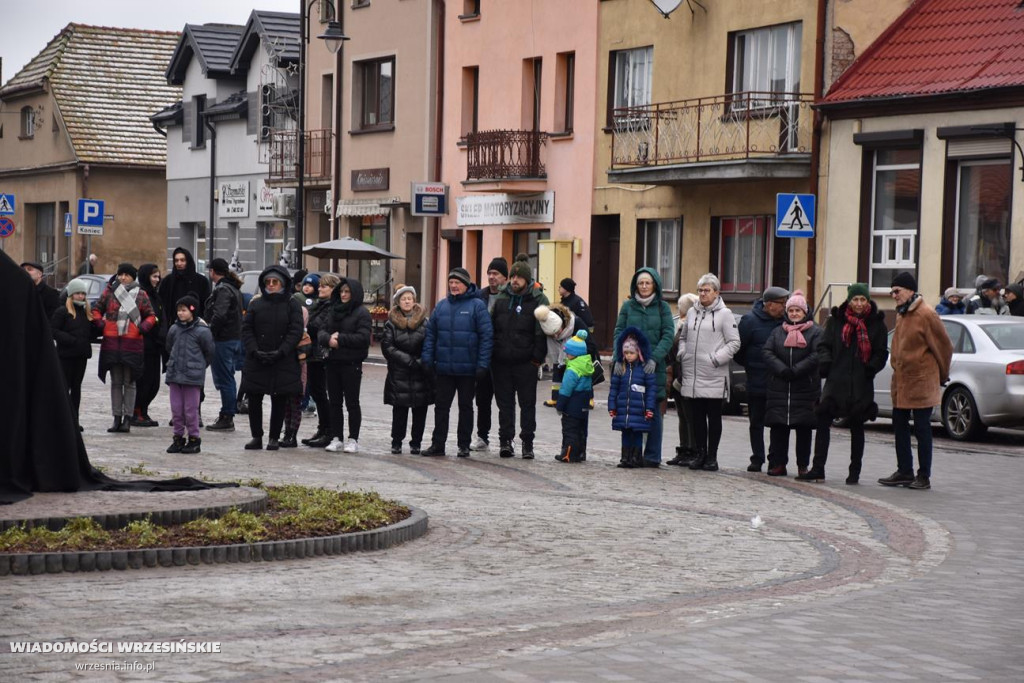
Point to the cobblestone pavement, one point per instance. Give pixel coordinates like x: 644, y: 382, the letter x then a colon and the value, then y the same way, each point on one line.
x: 541, y: 571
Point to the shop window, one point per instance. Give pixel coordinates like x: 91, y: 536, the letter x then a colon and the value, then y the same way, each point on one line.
x: 895, y: 214
x: 748, y: 258
x: 532, y: 72
x: 765, y: 60
x: 375, y: 96
x: 661, y: 250
x: 374, y: 274
x: 982, y: 220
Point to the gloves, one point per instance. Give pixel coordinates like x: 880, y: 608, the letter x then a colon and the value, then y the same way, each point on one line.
x: 612, y: 413
x: 618, y: 368
x: 278, y: 355
x: 648, y: 415
x: 650, y: 366
x: 482, y: 373
x: 788, y: 374
x: 266, y: 357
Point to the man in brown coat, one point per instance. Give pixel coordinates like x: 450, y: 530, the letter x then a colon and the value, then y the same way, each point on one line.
x: 920, y: 355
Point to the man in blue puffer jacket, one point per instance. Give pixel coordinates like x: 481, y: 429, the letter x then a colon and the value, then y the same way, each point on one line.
x: 457, y: 351
x: 755, y: 328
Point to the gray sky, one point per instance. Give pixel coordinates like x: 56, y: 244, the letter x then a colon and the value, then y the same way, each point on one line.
x: 27, y: 27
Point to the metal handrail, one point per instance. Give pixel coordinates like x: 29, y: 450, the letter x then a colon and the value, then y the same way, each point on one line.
x: 828, y: 294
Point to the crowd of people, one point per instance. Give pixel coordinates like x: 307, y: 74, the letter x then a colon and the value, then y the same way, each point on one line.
x: 306, y: 339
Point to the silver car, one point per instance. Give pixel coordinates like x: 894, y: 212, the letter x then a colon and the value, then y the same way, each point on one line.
x: 986, y: 380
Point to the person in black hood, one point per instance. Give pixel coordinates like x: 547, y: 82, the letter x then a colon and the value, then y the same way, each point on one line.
x: 347, y: 336
x: 271, y: 332
x: 149, y: 383
x: 224, y: 316
x: 1014, y: 297
x: 182, y: 280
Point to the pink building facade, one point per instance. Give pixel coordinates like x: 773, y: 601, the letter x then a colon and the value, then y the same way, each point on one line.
x: 519, y: 125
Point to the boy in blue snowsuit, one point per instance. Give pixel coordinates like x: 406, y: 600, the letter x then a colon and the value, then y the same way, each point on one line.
x: 574, y: 396
x: 633, y: 397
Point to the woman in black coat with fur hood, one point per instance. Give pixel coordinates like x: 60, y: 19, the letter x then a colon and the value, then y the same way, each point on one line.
x: 406, y: 387
x: 853, y: 349
x: 271, y: 332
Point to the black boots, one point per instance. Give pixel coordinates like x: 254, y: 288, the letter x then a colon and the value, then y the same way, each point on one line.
x: 632, y: 457
x: 289, y: 440
x: 225, y: 423
x: 698, y: 462
x: 684, y: 456
x: 317, y: 436
x: 506, y: 450
x: 527, y: 450
x: 176, y: 445
x: 273, y: 443
x: 255, y: 444
x: 192, y: 445
x: 121, y: 424
x: 813, y: 474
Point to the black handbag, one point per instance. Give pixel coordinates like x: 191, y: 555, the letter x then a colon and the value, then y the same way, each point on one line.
x: 598, y: 375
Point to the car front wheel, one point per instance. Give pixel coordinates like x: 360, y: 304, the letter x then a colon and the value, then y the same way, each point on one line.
x: 960, y: 415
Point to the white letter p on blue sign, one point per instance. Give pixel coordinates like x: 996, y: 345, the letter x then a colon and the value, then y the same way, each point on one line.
x: 90, y: 212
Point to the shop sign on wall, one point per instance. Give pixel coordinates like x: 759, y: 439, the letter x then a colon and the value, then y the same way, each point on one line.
x: 369, y: 179
x: 234, y: 200
x: 506, y: 209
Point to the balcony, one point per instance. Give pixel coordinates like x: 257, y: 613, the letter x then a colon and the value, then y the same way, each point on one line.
x: 739, y: 136
x: 506, y: 161
x: 284, y: 156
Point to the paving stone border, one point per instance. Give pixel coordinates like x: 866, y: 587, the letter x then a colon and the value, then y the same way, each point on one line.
x: 21, y: 564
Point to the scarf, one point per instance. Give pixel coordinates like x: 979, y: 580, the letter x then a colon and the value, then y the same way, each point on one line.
x: 645, y: 301
x: 128, y: 312
x: 795, y: 334
x: 903, y: 308
x: 855, y: 326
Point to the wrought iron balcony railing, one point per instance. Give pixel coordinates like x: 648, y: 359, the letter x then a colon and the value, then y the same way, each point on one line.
x: 505, y: 154
x: 284, y: 154
x: 739, y: 125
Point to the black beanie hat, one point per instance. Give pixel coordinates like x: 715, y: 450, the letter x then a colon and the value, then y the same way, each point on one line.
x: 129, y: 269
x: 905, y: 280
x: 460, y: 274
x: 568, y: 284
x: 499, y: 264
x: 188, y: 300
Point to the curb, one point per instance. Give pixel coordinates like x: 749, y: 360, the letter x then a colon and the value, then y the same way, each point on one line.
x: 24, y: 564
x: 159, y: 517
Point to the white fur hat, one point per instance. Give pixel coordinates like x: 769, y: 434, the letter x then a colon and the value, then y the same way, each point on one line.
x: 550, y: 322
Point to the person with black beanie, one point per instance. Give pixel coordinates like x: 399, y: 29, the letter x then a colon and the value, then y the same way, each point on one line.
x: 497, y: 277
x: 575, y: 303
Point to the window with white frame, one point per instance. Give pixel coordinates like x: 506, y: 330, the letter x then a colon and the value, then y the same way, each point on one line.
x: 895, y: 214
x: 765, y: 60
x: 982, y: 243
x: 661, y: 246
x: 631, y: 85
x: 28, y: 122
x: 273, y: 242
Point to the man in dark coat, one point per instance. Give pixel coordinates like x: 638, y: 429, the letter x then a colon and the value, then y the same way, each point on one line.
x: 40, y: 446
x: 497, y: 277
x: 47, y: 294
x: 457, y: 351
x: 224, y: 316
x: 183, y: 280
x: 519, y: 349
x: 755, y: 328
x: 575, y: 303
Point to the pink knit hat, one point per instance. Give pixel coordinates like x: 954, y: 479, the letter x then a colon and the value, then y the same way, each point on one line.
x: 797, y: 299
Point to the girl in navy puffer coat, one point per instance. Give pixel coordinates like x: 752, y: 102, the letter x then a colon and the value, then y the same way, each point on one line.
x: 633, y: 396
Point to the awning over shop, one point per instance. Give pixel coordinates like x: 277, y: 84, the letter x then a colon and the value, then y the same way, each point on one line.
x: 378, y: 206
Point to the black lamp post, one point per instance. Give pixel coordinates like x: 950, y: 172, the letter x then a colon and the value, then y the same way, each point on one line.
x: 334, y: 37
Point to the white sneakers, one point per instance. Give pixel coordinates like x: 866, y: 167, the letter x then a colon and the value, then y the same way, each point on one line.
x: 351, y: 446
x: 334, y: 446
x: 478, y: 445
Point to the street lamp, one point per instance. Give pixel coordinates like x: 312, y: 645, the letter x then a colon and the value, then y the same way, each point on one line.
x: 334, y: 37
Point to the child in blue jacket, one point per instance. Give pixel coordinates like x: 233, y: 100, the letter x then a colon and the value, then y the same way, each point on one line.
x: 574, y: 396
x: 633, y: 397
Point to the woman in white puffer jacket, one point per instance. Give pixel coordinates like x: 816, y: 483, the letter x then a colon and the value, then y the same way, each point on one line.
x: 708, y: 340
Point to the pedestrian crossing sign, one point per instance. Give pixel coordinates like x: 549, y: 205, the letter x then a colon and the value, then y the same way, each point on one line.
x: 794, y: 215
x: 6, y: 204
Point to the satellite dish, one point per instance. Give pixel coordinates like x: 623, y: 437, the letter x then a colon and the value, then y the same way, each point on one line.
x: 667, y: 7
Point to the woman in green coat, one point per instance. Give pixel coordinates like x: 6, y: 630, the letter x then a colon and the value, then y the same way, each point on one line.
x: 646, y: 310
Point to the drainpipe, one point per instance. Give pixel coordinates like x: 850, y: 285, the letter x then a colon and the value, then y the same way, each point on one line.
x: 213, y: 188
x: 438, y: 146
x: 819, y: 68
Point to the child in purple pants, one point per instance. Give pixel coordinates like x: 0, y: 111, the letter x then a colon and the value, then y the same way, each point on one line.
x: 190, y: 349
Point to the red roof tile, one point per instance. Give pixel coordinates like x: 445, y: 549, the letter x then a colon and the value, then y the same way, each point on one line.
x: 939, y: 47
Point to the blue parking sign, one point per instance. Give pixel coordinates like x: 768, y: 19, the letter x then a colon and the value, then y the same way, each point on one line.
x: 90, y: 212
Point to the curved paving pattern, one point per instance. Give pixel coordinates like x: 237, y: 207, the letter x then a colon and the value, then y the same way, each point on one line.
x: 540, y: 571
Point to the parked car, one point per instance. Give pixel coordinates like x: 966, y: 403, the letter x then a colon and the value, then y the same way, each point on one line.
x: 251, y: 284
x: 986, y: 379
x: 96, y: 284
